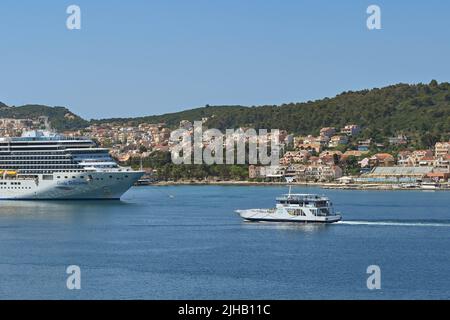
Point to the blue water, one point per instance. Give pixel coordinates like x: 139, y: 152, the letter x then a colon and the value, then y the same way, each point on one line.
x: 185, y: 242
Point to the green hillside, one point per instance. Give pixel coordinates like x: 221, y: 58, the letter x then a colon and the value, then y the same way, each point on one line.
x: 61, y: 118
x: 420, y: 111
x: 173, y: 119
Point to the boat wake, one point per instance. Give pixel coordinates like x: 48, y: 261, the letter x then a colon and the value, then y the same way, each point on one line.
x: 396, y: 223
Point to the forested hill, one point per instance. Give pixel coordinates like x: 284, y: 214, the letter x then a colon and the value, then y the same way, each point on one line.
x: 421, y: 111
x: 61, y: 118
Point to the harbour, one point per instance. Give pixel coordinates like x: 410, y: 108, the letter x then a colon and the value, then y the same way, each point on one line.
x: 186, y: 242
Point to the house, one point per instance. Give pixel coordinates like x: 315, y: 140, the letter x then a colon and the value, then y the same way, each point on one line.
x: 314, y: 160
x: 254, y: 172
x: 441, y: 149
x: 381, y: 160
x: 322, y: 173
x: 404, y: 159
x: 337, y: 140
x: 330, y: 173
x: 330, y: 153
x: 364, y: 163
x: 351, y: 129
x: 427, y: 161
x: 266, y: 172
x: 322, y: 140
x: 317, y: 147
x: 328, y: 131
x: 295, y: 157
x: 417, y: 155
x: 364, y: 145
x: 399, y: 140
x: 308, y: 143
x: 442, y: 164
x: 328, y: 160
x: 354, y: 153
x: 289, y: 139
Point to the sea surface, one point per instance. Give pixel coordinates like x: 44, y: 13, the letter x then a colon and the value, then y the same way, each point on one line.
x: 186, y: 242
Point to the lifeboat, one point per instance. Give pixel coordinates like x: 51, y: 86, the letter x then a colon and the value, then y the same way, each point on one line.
x: 8, y: 172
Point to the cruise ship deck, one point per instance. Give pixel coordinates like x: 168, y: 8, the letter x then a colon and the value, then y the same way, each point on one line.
x: 46, y: 165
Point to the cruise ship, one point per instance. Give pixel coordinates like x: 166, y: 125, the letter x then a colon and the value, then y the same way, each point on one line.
x: 43, y: 165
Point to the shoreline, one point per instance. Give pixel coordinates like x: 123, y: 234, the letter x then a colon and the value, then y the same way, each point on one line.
x: 337, y: 186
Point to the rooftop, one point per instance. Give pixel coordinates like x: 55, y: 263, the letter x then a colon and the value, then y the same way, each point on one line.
x: 400, y: 171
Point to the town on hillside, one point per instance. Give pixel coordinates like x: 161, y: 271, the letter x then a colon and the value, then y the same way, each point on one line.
x: 336, y: 155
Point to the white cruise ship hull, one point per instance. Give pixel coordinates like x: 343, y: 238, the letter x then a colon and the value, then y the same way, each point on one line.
x: 70, y: 186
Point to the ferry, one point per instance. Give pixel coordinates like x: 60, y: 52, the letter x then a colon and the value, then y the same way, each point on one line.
x: 298, y: 208
x: 44, y: 165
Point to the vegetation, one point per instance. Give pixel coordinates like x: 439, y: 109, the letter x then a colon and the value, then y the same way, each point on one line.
x: 61, y: 118
x: 166, y: 170
x: 422, y: 112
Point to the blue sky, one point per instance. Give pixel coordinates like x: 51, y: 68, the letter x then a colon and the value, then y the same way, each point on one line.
x: 136, y: 58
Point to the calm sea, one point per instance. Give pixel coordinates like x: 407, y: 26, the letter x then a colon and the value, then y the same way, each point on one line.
x: 186, y: 242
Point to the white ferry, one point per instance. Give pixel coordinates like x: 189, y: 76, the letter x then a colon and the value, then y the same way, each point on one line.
x: 45, y: 165
x: 304, y: 208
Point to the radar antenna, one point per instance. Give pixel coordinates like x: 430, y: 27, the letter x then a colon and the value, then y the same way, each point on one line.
x: 289, y: 180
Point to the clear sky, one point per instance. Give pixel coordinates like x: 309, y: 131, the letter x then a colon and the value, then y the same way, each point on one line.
x: 134, y: 58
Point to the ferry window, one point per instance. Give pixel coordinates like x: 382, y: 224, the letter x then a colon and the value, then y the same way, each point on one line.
x: 81, y: 177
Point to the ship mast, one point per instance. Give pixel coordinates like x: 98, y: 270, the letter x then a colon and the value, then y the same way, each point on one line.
x: 289, y: 181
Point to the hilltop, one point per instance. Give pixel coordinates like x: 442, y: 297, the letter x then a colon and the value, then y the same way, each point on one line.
x: 421, y: 111
x: 61, y: 118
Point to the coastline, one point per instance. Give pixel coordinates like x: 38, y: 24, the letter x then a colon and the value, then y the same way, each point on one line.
x: 391, y: 187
